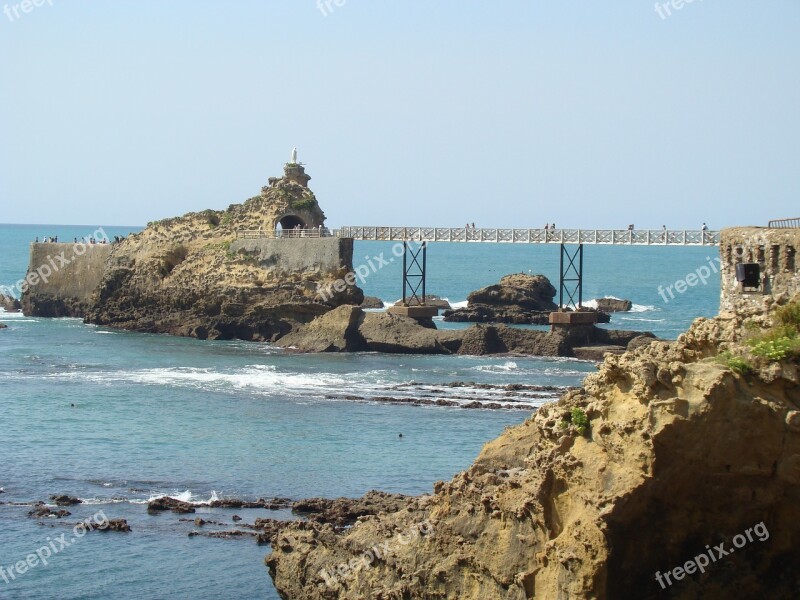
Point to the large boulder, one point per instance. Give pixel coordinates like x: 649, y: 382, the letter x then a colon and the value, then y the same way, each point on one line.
x: 609, y: 305
x: 385, y: 332
x: 518, y: 298
x: 336, y: 331
x: 372, y: 302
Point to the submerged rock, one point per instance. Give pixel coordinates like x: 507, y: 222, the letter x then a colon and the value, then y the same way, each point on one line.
x: 65, y: 500
x: 41, y: 511
x: 119, y: 525
x: 166, y: 503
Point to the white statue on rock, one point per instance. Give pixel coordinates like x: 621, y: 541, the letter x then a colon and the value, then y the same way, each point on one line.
x: 293, y: 160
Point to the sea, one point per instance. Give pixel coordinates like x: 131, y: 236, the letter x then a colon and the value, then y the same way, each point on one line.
x: 117, y: 418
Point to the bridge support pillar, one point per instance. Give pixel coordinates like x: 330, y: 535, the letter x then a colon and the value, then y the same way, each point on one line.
x: 571, y: 278
x: 415, y: 266
x: 570, y: 283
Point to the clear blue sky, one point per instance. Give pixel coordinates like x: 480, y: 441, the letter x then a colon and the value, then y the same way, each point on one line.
x: 407, y: 112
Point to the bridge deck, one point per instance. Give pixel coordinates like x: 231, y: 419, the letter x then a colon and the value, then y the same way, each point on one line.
x: 622, y: 237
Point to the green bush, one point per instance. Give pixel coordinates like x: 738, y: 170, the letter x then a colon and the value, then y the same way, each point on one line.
x: 306, y: 202
x: 580, y: 420
x: 778, y: 348
x: 737, y: 364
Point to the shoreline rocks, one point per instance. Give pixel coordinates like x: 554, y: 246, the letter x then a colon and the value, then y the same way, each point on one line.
x: 350, y: 329
x: 10, y: 304
x: 656, y: 456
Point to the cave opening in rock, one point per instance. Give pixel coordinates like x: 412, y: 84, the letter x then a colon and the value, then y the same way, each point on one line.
x: 290, y: 222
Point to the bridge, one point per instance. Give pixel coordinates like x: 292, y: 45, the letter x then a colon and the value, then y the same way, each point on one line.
x: 571, y: 242
x: 617, y: 237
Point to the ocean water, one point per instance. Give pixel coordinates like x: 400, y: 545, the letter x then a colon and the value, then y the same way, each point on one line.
x: 117, y: 418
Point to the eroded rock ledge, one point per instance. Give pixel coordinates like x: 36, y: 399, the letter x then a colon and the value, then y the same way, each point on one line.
x: 678, y: 452
x: 350, y: 329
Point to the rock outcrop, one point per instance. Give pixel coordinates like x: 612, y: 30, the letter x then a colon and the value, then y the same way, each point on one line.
x: 350, y: 329
x: 609, y: 305
x: 190, y: 276
x: 10, y: 304
x: 372, y: 302
x: 518, y: 298
x: 562, y: 341
x: 668, y: 451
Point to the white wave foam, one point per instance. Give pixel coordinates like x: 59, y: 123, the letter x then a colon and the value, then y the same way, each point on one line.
x: 636, y: 308
x: 17, y: 317
x: 506, y: 367
x: 457, y: 305
x: 96, y: 501
x: 186, y: 496
x: 264, y: 379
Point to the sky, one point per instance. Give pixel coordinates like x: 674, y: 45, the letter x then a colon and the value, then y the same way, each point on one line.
x: 406, y: 112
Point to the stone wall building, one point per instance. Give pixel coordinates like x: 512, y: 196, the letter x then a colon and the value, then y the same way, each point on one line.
x: 774, y: 251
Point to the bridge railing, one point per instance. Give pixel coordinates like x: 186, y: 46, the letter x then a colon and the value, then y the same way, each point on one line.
x: 785, y: 224
x: 256, y: 234
x: 635, y: 237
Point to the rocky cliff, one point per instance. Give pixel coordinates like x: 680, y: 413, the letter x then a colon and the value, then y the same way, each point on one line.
x: 674, y: 453
x: 189, y: 276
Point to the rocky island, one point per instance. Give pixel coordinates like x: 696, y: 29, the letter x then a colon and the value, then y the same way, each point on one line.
x: 195, y: 276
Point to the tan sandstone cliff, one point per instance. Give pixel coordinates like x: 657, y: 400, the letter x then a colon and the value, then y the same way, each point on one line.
x: 680, y: 454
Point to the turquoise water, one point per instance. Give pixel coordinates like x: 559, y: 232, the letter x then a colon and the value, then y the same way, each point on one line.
x: 154, y: 415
